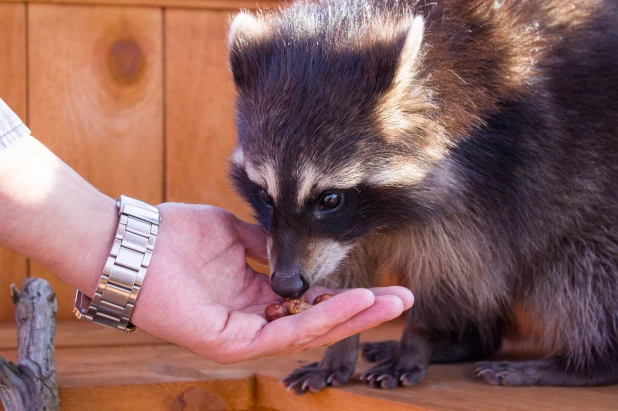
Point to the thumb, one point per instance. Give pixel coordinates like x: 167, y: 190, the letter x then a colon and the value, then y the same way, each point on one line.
x: 253, y: 237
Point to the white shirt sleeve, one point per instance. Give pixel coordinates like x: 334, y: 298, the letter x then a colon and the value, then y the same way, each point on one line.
x: 12, y: 129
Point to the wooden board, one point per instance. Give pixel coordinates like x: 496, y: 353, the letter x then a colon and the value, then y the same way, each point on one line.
x: 271, y: 394
x: 199, y: 115
x: 95, y: 98
x: 206, y: 4
x: 74, y: 333
x: 215, y: 395
x: 13, y: 61
x: 199, y: 111
x: 13, y: 268
x: 162, y: 376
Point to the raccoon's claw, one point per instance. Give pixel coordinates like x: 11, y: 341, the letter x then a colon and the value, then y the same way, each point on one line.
x: 314, y: 377
x: 486, y: 372
x: 378, y: 351
x: 394, y: 372
x: 511, y: 373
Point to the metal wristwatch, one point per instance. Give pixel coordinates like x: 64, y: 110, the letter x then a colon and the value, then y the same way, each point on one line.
x: 125, y: 268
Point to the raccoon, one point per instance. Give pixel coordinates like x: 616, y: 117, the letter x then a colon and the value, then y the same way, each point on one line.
x: 468, y: 147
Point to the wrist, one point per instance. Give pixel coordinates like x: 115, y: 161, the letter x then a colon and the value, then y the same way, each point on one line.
x: 84, y: 252
x: 53, y: 216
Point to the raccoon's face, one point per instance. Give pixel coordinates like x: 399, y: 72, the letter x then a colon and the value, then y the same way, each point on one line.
x: 314, y: 208
x: 314, y: 157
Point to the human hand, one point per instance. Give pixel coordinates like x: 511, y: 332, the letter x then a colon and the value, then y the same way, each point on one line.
x: 200, y: 293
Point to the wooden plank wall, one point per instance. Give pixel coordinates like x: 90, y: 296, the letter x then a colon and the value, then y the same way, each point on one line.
x: 138, y: 100
x: 13, y: 268
x: 199, y: 112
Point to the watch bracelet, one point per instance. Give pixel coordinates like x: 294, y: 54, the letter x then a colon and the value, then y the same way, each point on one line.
x: 125, y: 268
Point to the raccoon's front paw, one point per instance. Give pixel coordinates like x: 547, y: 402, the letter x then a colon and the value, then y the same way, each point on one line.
x: 520, y: 373
x: 316, y: 376
x: 398, y: 370
x: 378, y: 351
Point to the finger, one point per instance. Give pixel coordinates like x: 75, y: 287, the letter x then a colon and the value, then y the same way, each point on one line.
x: 253, y: 237
x: 403, y: 293
x: 385, y: 308
x: 297, y: 330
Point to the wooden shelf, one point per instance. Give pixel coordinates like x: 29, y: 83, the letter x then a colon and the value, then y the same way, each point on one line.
x: 99, y: 369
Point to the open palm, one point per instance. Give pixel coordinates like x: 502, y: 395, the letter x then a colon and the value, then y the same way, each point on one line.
x: 200, y: 293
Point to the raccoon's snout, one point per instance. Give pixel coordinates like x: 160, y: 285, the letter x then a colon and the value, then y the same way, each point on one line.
x: 289, y: 284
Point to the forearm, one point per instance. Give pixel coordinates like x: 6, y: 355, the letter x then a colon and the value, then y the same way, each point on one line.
x: 52, y: 215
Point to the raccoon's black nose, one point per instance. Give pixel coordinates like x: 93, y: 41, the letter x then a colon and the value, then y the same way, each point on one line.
x: 289, y: 285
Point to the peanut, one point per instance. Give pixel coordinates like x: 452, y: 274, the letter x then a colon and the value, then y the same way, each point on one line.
x: 287, y: 303
x: 299, y: 306
x: 321, y: 298
x: 275, y: 311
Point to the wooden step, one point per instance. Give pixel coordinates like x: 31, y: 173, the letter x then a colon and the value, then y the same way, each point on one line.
x: 100, y: 369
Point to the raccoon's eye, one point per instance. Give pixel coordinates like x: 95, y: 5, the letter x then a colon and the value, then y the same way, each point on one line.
x: 330, y: 201
x: 265, y: 197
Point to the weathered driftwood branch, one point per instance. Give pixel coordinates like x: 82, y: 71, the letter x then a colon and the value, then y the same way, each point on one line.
x: 31, y: 384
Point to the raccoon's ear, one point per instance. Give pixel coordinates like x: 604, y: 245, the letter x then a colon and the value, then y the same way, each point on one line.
x: 408, y: 57
x: 245, y: 32
x: 245, y: 26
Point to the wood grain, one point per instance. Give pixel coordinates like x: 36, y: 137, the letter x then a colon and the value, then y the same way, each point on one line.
x: 212, y: 395
x: 205, y: 4
x: 13, y: 268
x: 95, y: 99
x: 271, y: 394
x: 73, y: 333
x: 199, y: 115
x: 154, y: 370
x: 13, y: 61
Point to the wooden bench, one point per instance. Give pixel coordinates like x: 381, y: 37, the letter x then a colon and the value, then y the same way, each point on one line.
x: 99, y: 369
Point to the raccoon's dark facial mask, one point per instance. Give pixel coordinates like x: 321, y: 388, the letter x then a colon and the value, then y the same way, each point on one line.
x: 328, y: 202
x: 330, y: 212
x: 306, y: 241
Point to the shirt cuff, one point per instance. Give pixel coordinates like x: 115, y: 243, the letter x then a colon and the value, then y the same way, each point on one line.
x: 12, y: 129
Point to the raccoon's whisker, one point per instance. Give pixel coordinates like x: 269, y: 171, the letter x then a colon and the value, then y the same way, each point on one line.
x: 331, y: 281
x: 457, y: 75
x: 346, y: 266
x: 322, y: 277
x: 348, y: 232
